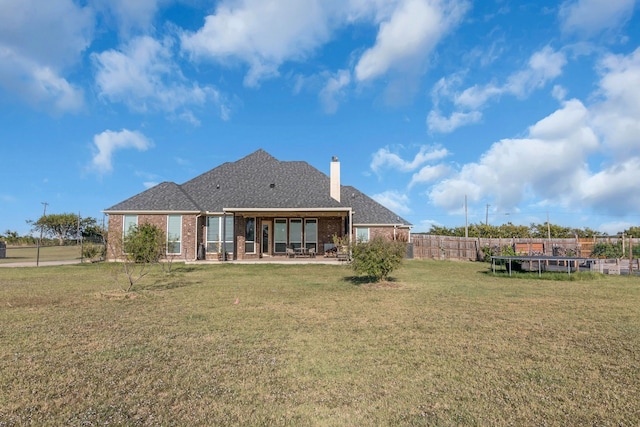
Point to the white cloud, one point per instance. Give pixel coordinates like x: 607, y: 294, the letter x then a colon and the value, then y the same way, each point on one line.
x: 615, y: 189
x: 555, y: 164
x: 543, y: 66
x: 439, y: 123
x: 550, y: 163
x: 129, y: 15
x: 264, y: 34
x: 429, y: 174
x: 589, y: 17
x: 144, y: 76
x: 333, y: 91
x: 409, y: 35
x: 39, y: 41
x: 476, y: 96
x: 261, y: 33
x: 109, y: 141
x: 617, y: 117
x: 384, y: 158
x: 393, y: 200
x: 38, y: 85
x: 613, y: 227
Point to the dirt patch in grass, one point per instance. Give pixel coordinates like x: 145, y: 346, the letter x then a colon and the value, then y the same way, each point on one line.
x: 117, y: 295
x: 382, y: 285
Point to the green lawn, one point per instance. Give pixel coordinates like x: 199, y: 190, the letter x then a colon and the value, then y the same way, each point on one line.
x: 47, y: 253
x: 443, y: 343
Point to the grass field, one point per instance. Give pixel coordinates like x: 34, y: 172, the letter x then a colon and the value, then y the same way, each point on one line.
x: 47, y: 253
x: 443, y: 343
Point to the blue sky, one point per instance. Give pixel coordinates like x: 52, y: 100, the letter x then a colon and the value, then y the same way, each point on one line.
x: 528, y: 109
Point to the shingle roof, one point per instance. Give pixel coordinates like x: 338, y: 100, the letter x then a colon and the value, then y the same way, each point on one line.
x: 366, y: 210
x: 258, y: 181
x: 166, y: 197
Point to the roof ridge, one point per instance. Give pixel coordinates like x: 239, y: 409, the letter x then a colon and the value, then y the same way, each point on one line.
x: 188, y: 196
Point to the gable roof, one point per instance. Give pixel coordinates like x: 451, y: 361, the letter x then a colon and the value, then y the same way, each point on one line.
x: 258, y: 181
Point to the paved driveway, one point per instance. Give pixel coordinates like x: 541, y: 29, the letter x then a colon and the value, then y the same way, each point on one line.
x: 42, y: 263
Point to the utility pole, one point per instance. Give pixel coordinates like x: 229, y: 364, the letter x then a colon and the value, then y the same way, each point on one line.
x: 486, y: 218
x: 40, y: 240
x: 79, y: 237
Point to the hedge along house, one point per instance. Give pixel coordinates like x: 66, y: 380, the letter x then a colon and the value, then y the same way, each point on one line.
x: 256, y: 207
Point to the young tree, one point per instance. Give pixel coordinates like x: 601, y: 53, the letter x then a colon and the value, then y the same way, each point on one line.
x: 378, y: 257
x: 142, y: 246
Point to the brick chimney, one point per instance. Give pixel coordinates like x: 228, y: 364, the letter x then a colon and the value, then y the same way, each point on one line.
x: 334, y: 178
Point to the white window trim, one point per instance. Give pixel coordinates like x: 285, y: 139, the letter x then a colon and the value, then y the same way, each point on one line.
x: 221, y: 239
x: 304, y: 232
x: 286, y: 236
x: 124, y: 224
x: 363, y: 228
x: 174, y: 241
x: 255, y: 234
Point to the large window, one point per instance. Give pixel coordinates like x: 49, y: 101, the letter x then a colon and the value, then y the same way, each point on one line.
x: 250, y: 236
x: 214, y: 234
x: 228, y: 234
x: 295, y: 233
x: 362, y: 234
x: 128, y: 222
x: 311, y: 233
x: 174, y: 234
x: 280, y: 235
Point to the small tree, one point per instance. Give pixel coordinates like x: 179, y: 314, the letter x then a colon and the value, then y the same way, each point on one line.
x: 377, y: 258
x: 142, y: 246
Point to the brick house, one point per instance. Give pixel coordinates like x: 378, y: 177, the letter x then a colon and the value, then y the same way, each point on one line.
x: 257, y: 207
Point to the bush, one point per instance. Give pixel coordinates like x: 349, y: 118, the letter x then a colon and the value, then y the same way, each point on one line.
x: 489, y: 251
x: 145, y: 244
x: 613, y: 250
x: 92, y: 251
x: 377, y: 258
x: 607, y: 250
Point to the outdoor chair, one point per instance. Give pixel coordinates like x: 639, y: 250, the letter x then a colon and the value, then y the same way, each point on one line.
x: 290, y: 253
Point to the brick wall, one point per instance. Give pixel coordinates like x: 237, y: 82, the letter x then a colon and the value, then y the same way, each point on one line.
x: 189, y: 234
x: 327, y: 228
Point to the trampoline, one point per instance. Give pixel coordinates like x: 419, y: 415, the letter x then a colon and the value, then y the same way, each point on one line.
x: 549, y: 261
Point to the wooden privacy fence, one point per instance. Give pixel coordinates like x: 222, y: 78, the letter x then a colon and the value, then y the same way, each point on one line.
x: 427, y: 246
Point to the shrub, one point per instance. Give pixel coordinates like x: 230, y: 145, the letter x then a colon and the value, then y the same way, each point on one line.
x: 143, y: 246
x: 489, y: 251
x: 377, y: 258
x: 145, y: 243
x: 607, y: 250
x: 92, y: 251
